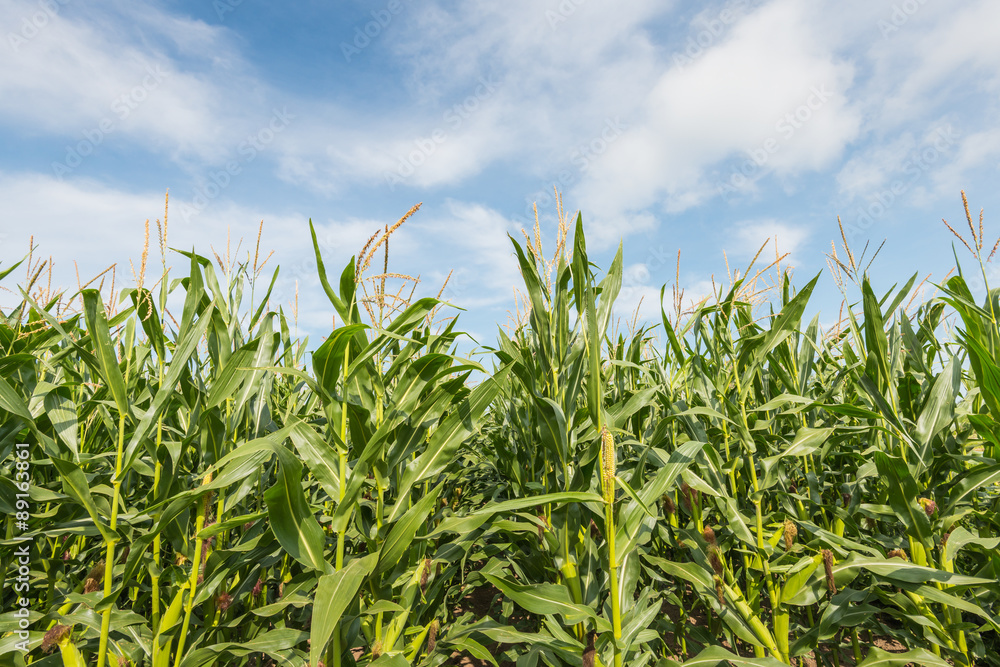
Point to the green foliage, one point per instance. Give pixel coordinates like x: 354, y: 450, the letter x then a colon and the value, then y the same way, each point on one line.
x: 736, y: 490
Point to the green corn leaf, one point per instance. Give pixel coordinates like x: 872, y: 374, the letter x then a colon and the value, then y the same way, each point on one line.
x: 736, y: 522
x: 338, y: 304
x: 960, y: 537
x: 555, y: 499
x: 290, y: 517
x: 62, y: 412
x: 236, y: 369
x: 183, y: 351
x: 878, y: 658
x: 946, y: 599
x: 398, y: 541
x: 75, y: 485
x: 328, y: 359
x: 334, y: 595
x: 969, y: 482
x: 609, y: 288
x: 807, y: 351
x: 447, y: 438
x: 278, y: 644
x: 145, y: 308
x: 847, y: 609
x: 903, y: 494
x: 7, y: 271
x: 906, y: 572
x: 715, y: 655
x: 939, y: 410
x: 475, y: 649
x: 263, y: 299
x: 14, y: 404
x: 552, y: 424
x: 318, y: 455
x: 782, y: 326
x: 815, y: 588
x: 876, y: 344
x: 674, y: 344
x: 702, y: 581
x: 97, y: 325
x: 798, y: 576
x: 546, y: 599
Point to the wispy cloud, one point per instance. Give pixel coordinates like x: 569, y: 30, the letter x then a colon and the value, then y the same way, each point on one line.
x: 128, y: 74
x: 641, y: 114
x: 769, y: 86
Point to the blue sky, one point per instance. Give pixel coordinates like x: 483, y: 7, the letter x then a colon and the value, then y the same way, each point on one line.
x: 699, y: 127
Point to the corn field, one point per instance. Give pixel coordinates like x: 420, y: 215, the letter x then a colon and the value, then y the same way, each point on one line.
x: 188, y: 486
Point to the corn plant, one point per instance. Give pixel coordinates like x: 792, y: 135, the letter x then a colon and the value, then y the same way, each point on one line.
x: 733, y: 485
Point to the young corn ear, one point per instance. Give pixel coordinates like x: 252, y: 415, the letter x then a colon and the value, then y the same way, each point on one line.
x: 94, y: 578
x: 425, y: 575
x: 71, y: 655
x: 691, y: 498
x: 432, y: 636
x: 668, y: 505
x: 608, y: 465
x: 608, y: 469
x: 223, y: 601
x: 714, y: 552
x: 831, y: 584
x: 686, y: 491
x: 55, y: 636
x: 790, y: 533
x: 715, y: 560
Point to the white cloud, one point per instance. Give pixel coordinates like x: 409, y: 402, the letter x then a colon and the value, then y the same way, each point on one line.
x: 980, y: 150
x: 471, y: 240
x: 76, y: 218
x: 772, y: 86
x: 942, y: 52
x: 641, y: 282
x: 163, y: 82
x: 487, y: 84
x: 774, y: 236
x: 869, y: 169
x: 787, y: 88
x: 930, y: 68
x: 89, y: 225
